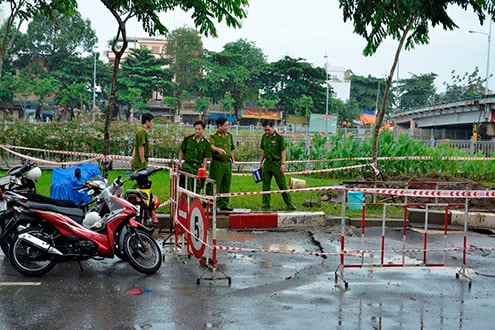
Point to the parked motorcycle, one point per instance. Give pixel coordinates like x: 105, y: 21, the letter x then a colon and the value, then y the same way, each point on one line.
x: 92, y: 187
x: 143, y: 198
x: 20, y: 179
x: 44, y: 237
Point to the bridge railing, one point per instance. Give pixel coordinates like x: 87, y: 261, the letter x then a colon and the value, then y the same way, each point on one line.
x: 442, y: 102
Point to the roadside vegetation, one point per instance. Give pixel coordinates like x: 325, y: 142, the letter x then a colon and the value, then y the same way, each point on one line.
x: 325, y: 152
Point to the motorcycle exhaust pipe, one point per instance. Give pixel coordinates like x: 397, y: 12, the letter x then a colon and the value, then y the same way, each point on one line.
x: 40, y: 244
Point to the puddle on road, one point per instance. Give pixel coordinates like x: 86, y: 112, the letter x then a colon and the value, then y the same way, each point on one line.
x: 282, y: 247
x: 244, y: 236
x: 234, y: 236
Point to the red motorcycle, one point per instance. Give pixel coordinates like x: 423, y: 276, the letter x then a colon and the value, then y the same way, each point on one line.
x: 44, y: 237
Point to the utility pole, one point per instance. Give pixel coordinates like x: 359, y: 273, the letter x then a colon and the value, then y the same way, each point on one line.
x: 326, y: 104
x: 94, y: 80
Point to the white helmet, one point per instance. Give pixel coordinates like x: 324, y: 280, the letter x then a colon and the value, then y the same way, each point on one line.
x: 34, y: 173
x: 92, y: 220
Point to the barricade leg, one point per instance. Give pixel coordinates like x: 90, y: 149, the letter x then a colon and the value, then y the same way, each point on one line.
x: 211, y: 267
x: 464, y: 270
x: 339, y: 272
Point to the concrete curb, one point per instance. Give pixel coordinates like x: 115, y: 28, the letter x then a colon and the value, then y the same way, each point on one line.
x: 276, y: 220
x: 301, y: 219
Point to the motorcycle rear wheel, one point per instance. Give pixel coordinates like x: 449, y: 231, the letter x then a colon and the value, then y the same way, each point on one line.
x: 142, y: 252
x: 28, y: 259
x: 6, y: 241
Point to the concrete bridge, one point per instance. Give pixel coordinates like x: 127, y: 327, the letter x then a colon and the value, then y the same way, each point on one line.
x: 468, y: 115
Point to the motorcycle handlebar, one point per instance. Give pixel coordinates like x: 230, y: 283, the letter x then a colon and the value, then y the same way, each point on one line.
x: 149, y: 172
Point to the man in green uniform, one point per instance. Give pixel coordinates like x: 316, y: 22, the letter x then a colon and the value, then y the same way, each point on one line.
x: 272, y: 163
x: 141, y: 148
x: 222, y: 147
x: 195, y: 150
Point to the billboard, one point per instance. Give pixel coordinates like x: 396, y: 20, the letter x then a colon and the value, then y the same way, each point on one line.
x: 318, y: 123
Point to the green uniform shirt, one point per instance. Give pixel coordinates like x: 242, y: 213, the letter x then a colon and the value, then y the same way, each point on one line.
x: 272, y: 146
x: 141, y: 138
x: 226, y: 142
x: 195, y: 152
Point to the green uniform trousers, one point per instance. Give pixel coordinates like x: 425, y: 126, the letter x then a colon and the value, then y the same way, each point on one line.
x: 221, y: 172
x: 271, y: 168
x: 190, y: 168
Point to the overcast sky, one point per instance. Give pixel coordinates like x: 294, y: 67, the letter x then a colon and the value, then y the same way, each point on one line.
x: 315, y: 28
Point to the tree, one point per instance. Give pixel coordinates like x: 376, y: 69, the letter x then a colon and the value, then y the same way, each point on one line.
x: 465, y: 86
x: 43, y: 88
x: 23, y: 10
x: 236, y: 69
x: 134, y: 97
x: 227, y: 102
x: 146, y: 73
x: 56, y: 40
x: 341, y: 109
x: 416, y: 91
x: 303, y: 106
x: 7, y: 87
x: 183, y: 97
x: 146, y: 12
x: 74, y: 95
x: 184, y: 48
x: 202, y: 105
x: 364, y: 91
x: 290, y: 78
x: 58, y: 43
x: 406, y: 21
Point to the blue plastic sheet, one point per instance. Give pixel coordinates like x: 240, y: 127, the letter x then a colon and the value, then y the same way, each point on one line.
x: 64, y: 180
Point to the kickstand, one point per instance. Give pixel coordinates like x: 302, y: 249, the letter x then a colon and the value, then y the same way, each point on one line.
x: 80, y: 266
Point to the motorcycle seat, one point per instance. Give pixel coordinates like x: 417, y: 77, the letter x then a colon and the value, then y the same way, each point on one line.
x: 47, y: 200
x: 74, y: 213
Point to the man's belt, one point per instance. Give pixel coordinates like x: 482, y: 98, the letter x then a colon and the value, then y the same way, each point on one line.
x: 221, y: 160
x: 272, y: 159
x: 194, y: 164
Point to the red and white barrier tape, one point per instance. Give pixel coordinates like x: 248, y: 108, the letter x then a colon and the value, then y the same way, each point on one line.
x: 378, y: 159
x: 313, y: 171
x: 41, y: 161
x: 429, y: 193
x: 167, y: 202
x: 379, y: 191
x: 94, y: 156
x: 192, y: 234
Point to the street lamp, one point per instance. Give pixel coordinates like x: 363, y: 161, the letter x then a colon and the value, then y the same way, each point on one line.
x: 489, y: 35
x: 94, y: 81
x: 326, y: 104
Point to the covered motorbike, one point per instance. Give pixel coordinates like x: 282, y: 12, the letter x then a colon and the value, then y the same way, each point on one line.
x: 44, y: 237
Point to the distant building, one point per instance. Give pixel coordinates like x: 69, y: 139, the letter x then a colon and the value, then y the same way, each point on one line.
x: 340, y: 80
x: 157, y: 47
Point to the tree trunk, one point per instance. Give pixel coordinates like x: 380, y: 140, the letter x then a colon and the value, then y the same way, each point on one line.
x: 113, y: 88
x: 381, y: 113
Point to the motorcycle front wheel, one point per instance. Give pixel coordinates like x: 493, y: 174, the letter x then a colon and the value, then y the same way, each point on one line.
x: 142, y: 252
x: 5, y: 218
x: 28, y: 259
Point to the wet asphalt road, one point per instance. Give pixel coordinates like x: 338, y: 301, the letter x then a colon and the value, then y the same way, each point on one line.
x: 268, y: 290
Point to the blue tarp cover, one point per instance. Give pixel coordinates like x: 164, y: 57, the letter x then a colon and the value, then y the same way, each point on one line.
x: 215, y: 116
x: 64, y: 181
